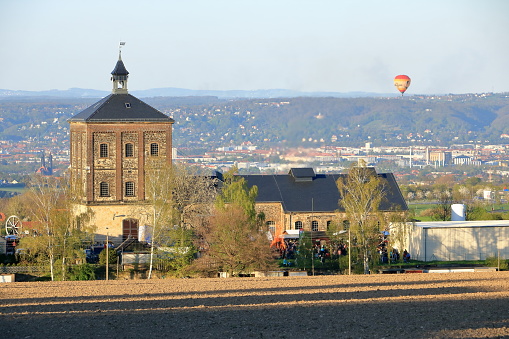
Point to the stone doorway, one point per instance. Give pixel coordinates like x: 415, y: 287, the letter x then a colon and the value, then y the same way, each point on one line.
x: 129, y: 229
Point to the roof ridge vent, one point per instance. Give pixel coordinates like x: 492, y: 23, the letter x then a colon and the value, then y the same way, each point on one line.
x: 302, y: 174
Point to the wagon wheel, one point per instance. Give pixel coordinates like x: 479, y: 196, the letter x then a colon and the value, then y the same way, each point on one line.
x: 13, y: 225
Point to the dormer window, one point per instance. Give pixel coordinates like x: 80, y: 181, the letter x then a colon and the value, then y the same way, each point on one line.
x: 302, y: 174
x: 127, y: 105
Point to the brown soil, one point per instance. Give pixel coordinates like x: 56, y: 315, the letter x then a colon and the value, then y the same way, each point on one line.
x: 447, y: 305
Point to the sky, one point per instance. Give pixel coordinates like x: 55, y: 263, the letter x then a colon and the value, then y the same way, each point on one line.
x: 445, y: 46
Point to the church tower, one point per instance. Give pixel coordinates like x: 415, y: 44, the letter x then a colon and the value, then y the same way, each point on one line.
x: 113, y: 143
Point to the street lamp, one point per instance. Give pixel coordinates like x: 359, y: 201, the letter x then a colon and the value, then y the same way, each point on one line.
x: 118, y: 216
x: 107, y: 254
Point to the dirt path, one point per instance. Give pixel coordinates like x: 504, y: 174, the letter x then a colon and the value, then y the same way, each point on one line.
x: 452, y: 305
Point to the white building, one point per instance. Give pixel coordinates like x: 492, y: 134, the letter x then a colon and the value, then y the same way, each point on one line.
x: 455, y: 240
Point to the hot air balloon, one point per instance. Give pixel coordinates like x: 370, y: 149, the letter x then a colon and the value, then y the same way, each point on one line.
x: 402, y: 82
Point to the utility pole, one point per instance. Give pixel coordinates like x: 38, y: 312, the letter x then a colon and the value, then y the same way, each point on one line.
x: 107, y: 254
x: 312, y: 244
x: 108, y: 246
x: 349, y: 251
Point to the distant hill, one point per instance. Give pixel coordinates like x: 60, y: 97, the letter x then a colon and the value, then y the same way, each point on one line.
x: 309, y: 121
x: 69, y: 93
x: 181, y: 92
x: 211, y: 121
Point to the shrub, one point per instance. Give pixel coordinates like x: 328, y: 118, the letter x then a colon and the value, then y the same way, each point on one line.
x: 82, y: 272
x: 493, y: 262
x: 112, y: 258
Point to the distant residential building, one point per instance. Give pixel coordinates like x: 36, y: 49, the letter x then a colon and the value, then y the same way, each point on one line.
x: 439, y: 158
x: 462, y: 160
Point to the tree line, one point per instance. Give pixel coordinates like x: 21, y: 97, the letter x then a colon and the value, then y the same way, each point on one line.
x: 199, y: 225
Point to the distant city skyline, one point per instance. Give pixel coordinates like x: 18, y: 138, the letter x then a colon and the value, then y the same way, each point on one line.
x: 449, y: 46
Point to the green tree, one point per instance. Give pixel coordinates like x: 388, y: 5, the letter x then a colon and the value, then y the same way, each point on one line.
x: 235, y: 191
x: 361, y: 193
x: 305, y: 254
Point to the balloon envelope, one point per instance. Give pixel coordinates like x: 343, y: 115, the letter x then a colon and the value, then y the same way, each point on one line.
x: 402, y: 82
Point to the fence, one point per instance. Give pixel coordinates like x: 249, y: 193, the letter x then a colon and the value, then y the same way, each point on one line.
x: 22, y: 269
x: 459, y: 256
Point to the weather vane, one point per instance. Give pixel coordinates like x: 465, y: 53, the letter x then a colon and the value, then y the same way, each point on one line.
x: 122, y: 43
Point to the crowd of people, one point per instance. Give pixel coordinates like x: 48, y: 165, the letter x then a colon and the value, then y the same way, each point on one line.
x: 393, y: 255
x: 386, y: 254
x: 288, y: 250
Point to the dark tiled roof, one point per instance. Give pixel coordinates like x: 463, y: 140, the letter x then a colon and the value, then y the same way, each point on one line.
x: 320, y: 194
x: 120, y: 108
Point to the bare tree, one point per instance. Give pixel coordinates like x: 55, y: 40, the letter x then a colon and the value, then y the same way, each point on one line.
x: 62, y: 227
x: 174, y: 193
x: 444, y: 200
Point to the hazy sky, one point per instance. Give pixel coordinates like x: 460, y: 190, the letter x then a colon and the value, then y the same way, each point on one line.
x: 445, y: 46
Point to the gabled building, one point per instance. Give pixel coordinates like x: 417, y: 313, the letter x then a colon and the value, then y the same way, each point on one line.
x: 304, y: 200
x: 113, y: 142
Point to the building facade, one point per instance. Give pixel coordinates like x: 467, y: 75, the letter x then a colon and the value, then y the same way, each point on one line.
x: 304, y: 200
x: 113, y: 143
x: 456, y: 240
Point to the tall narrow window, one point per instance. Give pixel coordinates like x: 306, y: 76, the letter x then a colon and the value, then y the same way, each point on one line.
x: 129, y: 189
x: 103, y: 150
x: 129, y: 150
x: 154, y: 149
x: 329, y: 223
x: 104, y: 189
x: 314, y: 226
x: 272, y: 227
x: 298, y: 225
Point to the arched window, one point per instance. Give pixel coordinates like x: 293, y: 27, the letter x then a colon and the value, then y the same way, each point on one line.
x: 314, y: 226
x: 329, y: 224
x: 129, y: 189
x: 272, y: 226
x: 298, y: 225
x: 129, y: 150
x: 103, y: 150
x: 104, y: 189
x: 154, y: 149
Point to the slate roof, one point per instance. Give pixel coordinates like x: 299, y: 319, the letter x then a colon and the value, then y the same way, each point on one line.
x: 120, y: 108
x: 319, y: 195
x: 119, y: 68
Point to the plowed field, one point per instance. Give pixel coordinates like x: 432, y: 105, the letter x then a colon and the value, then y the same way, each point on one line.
x: 447, y: 305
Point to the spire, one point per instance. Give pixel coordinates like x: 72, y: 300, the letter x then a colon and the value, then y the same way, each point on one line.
x: 119, y: 74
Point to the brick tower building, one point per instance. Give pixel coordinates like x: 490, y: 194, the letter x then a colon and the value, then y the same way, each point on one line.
x: 113, y: 142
